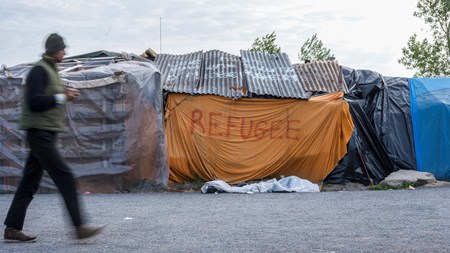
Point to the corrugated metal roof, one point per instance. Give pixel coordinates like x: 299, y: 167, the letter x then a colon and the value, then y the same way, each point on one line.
x: 321, y: 76
x: 271, y: 74
x: 180, y: 73
x: 222, y: 75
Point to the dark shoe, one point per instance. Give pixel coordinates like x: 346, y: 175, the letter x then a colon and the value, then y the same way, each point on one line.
x: 85, y: 231
x: 15, y: 235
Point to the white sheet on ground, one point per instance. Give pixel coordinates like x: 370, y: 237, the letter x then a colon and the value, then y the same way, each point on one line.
x: 287, y: 184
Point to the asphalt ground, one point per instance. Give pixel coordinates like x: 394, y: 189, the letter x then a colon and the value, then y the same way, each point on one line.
x: 349, y: 221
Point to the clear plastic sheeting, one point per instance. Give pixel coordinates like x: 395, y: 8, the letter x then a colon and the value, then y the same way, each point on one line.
x: 287, y: 184
x: 115, y: 136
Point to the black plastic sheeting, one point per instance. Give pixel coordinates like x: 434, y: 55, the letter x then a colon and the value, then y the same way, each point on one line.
x: 96, y: 54
x: 382, y: 141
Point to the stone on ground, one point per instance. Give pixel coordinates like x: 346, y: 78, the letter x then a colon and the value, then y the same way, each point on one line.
x: 398, y: 178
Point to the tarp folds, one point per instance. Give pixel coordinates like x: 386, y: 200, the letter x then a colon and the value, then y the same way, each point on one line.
x: 367, y: 158
x: 397, y: 129
x: 380, y: 110
x: 115, y: 128
x: 96, y: 54
x: 287, y: 184
x: 240, y: 140
x: 430, y: 109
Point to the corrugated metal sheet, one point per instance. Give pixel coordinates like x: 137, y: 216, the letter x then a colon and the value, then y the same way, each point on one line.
x: 222, y: 75
x: 180, y: 73
x: 271, y: 74
x: 321, y: 76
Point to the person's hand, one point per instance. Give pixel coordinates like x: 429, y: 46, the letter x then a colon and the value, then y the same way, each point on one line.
x: 71, y: 93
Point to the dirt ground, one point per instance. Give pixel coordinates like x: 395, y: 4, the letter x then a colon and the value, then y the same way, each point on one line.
x: 343, y: 187
x: 360, y: 187
x: 195, y: 186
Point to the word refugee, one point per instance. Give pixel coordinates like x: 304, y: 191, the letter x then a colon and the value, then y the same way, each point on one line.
x: 219, y: 125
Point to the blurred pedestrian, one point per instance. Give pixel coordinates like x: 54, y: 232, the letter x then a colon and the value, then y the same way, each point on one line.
x: 42, y: 116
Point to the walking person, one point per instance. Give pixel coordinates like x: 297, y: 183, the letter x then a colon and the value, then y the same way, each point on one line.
x: 42, y: 116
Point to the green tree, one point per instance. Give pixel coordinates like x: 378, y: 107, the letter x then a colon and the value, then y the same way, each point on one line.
x: 313, y: 50
x: 430, y: 58
x: 266, y: 44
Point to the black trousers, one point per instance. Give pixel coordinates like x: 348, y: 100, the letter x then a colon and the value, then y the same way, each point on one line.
x: 43, y: 156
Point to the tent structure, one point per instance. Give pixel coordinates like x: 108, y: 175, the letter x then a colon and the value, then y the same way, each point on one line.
x: 246, y: 118
x: 115, y: 134
x: 430, y: 108
x: 382, y: 141
x: 217, y: 116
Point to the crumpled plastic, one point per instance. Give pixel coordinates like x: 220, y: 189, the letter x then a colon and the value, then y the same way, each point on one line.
x: 287, y: 184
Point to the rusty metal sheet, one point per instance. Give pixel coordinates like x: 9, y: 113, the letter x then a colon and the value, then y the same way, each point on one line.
x: 325, y: 76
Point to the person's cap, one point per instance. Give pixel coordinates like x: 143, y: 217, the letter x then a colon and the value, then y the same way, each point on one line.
x: 54, y: 43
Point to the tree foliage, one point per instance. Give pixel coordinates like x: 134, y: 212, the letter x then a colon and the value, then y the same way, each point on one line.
x: 430, y: 58
x: 266, y: 44
x: 314, y: 50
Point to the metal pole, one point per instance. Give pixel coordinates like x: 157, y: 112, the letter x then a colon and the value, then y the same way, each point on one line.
x: 160, y: 35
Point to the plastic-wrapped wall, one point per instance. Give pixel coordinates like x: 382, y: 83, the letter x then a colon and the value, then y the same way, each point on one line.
x: 430, y: 109
x: 115, y: 136
x: 382, y: 140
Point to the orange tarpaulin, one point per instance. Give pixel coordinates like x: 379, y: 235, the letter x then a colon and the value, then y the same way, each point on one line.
x: 213, y: 137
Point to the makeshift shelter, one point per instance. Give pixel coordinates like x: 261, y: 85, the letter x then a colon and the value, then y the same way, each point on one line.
x: 430, y: 108
x: 115, y: 135
x: 98, y: 55
x: 382, y: 140
x: 228, y: 117
x: 255, y: 122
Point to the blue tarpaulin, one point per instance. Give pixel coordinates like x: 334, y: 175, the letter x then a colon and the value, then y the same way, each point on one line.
x: 430, y: 110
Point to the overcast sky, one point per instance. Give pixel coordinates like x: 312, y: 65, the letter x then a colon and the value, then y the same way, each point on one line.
x: 361, y: 34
